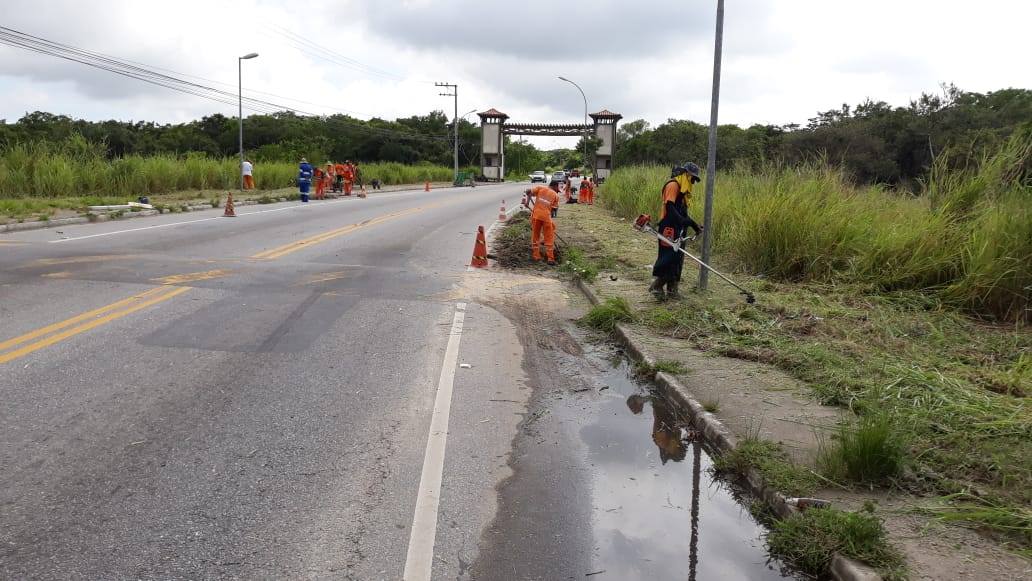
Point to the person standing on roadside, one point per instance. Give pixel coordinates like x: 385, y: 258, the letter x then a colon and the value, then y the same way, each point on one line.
x: 247, y: 170
x: 674, y: 222
x: 541, y: 200
x: 305, y: 171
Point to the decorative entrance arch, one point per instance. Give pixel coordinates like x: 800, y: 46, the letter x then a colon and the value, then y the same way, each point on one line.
x: 494, y: 128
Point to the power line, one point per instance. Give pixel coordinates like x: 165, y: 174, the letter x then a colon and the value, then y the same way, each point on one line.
x: 140, y: 72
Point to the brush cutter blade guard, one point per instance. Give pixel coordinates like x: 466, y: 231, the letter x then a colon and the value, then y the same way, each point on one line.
x: 642, y: 222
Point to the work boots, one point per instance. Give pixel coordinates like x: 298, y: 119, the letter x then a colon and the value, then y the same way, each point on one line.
x: 656, y: 288
x: 671, y: 289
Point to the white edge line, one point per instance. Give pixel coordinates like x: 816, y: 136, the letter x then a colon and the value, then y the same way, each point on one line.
x: 420, y: 558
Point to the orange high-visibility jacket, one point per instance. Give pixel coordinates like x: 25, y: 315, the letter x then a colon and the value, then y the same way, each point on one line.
x: 546, y: 199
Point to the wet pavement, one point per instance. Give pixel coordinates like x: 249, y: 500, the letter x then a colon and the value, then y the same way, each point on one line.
x: 609, y: 484
x: 658, y: 512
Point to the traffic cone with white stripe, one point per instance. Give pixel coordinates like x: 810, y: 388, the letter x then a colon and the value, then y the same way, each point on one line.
x: 501, y: 212
x: 480, y: 250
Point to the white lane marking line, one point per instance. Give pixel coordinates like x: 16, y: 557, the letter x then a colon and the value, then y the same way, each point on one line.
x: 420, y: 559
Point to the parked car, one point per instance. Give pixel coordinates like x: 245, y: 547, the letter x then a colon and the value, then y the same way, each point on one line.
x: 559, y: 176
x: 538, y: 176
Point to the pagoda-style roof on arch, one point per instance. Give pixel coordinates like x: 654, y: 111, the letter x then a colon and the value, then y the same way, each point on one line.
x: 606, y: 114
x: 493, y: 113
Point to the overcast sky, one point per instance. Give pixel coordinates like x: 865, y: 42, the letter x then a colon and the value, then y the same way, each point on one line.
x: 783, y: 60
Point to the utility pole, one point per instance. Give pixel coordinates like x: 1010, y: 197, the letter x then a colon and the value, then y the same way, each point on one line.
x: 240, y: 110
x: 454, y: 93
x: 711, y: 158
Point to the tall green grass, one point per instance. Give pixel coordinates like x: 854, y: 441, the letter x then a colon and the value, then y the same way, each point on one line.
x: 967, y: 239
x: 76, y: 167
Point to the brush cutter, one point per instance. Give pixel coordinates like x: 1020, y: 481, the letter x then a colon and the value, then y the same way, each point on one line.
x: 642, y: 224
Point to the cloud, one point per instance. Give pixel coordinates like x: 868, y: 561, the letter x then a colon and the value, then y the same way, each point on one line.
x: 649, y: 59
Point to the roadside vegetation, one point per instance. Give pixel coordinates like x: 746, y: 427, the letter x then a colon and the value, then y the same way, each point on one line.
x: 811, y: 538
x: 909, y: 310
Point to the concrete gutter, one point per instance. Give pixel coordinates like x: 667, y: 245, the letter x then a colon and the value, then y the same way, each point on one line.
x: 718, y: 436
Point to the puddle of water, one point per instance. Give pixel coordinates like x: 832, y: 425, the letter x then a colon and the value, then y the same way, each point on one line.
x: 658, y: 514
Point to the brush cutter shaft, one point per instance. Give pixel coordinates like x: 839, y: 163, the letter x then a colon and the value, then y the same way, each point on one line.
x: 648, y: 228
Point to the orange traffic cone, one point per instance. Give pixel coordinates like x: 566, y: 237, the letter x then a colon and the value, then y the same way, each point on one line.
x: 230, y: 210
x: 501, y: 212
x: 479, y: 250
x: 426, y: 186
x: 361, y: 192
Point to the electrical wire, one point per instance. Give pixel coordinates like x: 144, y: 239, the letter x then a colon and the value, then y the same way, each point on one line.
x: 138, y: 71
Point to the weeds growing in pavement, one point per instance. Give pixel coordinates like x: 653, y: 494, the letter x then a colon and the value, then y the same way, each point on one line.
x: 872, y: 451
x: 771, y: 460
x: 711, y: 405
x: 649, y: 371
x: 811, y: 538
x: 605, y: 316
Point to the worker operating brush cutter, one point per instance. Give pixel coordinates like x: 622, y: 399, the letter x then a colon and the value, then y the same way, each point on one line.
x: 671, y: 233
x: 541, y: 201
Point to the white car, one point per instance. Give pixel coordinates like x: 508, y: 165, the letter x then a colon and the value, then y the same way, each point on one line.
x: 538, y: 176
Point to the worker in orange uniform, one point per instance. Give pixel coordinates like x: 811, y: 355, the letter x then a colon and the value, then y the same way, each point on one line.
x: 328, y: 175
x: 585, y: 191
x: 338, y: 177
x: 349, y: 177
x: 541, y: 200
x: 320, y: 183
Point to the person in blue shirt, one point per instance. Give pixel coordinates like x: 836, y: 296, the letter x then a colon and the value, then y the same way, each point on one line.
x: 304, y: 178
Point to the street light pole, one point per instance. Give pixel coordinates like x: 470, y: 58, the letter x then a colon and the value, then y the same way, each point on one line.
x: 711, y: 158
x: 454, y: 93
x: 240, y: 109
x: 585, y: 139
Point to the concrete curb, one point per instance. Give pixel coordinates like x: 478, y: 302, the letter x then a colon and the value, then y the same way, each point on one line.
x: 718, y: 436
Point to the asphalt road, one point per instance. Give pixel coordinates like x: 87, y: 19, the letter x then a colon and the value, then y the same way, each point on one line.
x: 264, y: 413
x: 317, y: 391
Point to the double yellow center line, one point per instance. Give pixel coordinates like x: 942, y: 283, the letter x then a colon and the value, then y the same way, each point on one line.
x: 20, y: 346
x: 27, y: 343
x: 274, y: 253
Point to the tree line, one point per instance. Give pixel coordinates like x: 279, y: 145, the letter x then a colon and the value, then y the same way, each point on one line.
x: 283, y: 136
x: 873, y: 141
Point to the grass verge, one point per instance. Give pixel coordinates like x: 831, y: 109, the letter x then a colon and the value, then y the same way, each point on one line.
x: 955, y: 387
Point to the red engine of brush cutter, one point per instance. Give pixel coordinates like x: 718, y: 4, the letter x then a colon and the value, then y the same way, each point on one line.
x: 642, y: 221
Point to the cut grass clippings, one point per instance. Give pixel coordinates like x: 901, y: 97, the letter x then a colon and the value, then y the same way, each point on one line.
x: 811, y: 538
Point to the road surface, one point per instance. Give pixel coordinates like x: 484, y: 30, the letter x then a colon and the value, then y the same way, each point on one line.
x: 306, y: 391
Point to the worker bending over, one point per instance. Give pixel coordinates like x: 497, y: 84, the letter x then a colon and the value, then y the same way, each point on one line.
x: 674, y: 222
x: 541, y: 200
